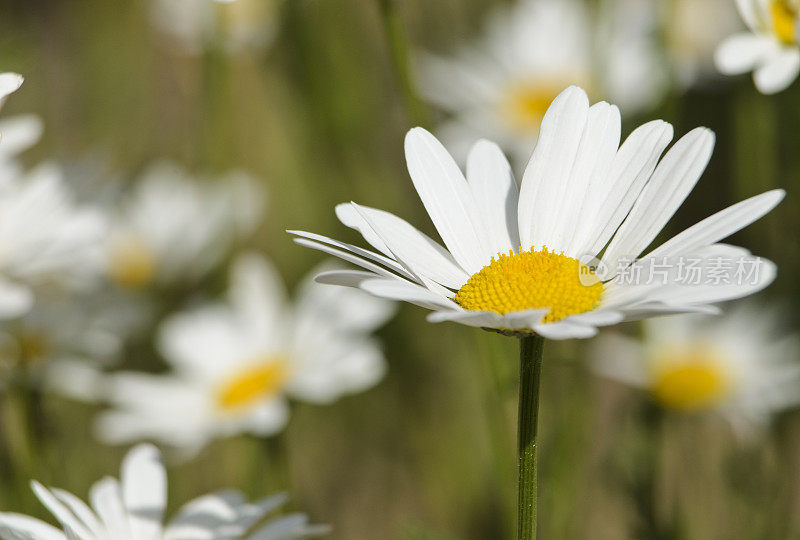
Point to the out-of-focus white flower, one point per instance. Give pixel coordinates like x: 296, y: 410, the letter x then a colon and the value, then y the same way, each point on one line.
x: 132, y: 508
x: 233, y: 24
x: 692, y: 31
x: 500, y: 87
x: 770, y: 49
x: 528, y: 259
x: 46, y: 240
x: 735, y: 365
x: 174, y: 228
x: 233, y: 363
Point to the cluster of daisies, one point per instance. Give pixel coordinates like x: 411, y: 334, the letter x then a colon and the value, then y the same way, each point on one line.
x: 87, y: 270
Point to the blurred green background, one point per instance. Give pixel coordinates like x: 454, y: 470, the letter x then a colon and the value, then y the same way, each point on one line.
x: 428, y: 454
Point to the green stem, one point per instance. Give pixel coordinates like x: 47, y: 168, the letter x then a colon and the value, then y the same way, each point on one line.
x: 530, y: 369
x: 397, y: 41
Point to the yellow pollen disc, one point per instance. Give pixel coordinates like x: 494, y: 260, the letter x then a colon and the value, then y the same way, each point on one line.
x: 525, y: 104
x: 262, y: 380
x: 690, y: 380
x: 132, y: 263
x: 532, y: 280
x: 784, y: 16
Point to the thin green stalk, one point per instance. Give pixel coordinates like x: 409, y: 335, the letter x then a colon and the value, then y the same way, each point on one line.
x: 397, y: 41
x: 530, y: 369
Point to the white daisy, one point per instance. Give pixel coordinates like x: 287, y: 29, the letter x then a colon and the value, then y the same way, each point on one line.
x: 45, y: 239
x: 515, y: 259
x: 233, y: 363
x: 500, y: 87
x: 236, y: 25
x: 770, y: 48
x: 174, y: 228
x: 737, y: 365
x: 132, y: 508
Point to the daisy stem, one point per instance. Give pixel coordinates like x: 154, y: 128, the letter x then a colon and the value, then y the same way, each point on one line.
x: 530, y: 369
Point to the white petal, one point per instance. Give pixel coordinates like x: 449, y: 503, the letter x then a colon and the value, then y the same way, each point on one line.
x: 595, y: 156
x: 547, y: 173
x: 257, y: 294
x: 344, y: 255
x: 15, y: 299
x: 394, y: 289
x: 749, y: 11
x: 20, y: 527
x: 9, y: 83
x: 778, y: 72
x: 336, y: 368
x: 417, y: 252
x: 19, y: 133
x: 599, y: 317
x: 63, y: 514
x: 610, y: 198
x: 81, y: 510
x: 492, y: 182
x: 106, y: 497
x: 144, y: 491
x: 741, y: 52
x: 620, y: 358
x: 479, y: 319
x: 564, y: 330
x: 672, y: 181
x: 342, y: 309
x: 721, y: 225
x: 345, y: 278
x: 364, y: 253
x: 447, y: 198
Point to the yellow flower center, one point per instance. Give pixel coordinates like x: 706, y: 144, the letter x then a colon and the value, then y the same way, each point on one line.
x: 132, y: 263
x: 690, y: 380
x: 784, y: 14
x: 263, y: 379
x: 532, y: 280
x: 525, y: 104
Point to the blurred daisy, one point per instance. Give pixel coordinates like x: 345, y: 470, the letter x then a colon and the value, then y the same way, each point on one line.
x: 770, y: 48
x: 693, y: 30
x: 526, y: 261
x: 500, y: 87
x: 733, y: 365
x: 46, y: 240
x: 174, y: 228
x: 233, y: 363
x: 67, y: 329
x: 235, y: 25
x: 132, y: 508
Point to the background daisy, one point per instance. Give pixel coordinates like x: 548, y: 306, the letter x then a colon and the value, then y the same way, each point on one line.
x: 133, y: 508
x: 233, y: 364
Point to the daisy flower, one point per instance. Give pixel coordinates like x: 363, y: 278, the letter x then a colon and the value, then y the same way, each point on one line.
x: 770, y: 49
x: 501, y: 86
x: 561, y: 255
x: 174, y: 228
x: 736, y: 365
x: 132, y: 508
x: 46, y: 240
x: 234, y: 363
